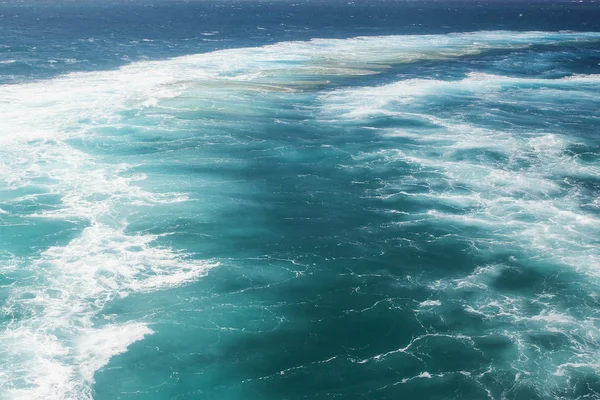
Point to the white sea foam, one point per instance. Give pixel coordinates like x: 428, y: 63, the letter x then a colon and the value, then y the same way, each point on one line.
x: 518, y: 194
x: 53, y: 346
x: 379, y: 100
x: 430, y: 303
x: 96, y: 347
x: 56, y: 371
x: 550, y: 345
x: 58, y: 348
x: 517, y: 185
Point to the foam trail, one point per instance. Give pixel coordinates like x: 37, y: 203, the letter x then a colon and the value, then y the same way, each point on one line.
x: 523, y: 189
x: 52, y: 346
x: 58, y: 347
x: 496, y: 188
x: 81, y: 99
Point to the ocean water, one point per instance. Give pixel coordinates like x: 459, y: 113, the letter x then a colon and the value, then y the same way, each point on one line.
x: 299, y: 200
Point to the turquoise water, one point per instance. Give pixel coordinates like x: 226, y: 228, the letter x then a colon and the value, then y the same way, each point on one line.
x: 367, y: 217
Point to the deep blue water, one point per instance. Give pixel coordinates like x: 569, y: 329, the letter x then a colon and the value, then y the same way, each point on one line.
x: 299, y: 200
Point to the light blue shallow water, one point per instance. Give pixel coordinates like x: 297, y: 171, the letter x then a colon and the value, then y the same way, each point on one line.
x: 387, y: 216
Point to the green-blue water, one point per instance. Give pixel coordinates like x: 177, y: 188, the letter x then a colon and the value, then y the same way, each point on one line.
x: 299, y: 201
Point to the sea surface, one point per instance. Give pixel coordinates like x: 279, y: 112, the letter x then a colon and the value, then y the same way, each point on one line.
x: 299, y: 200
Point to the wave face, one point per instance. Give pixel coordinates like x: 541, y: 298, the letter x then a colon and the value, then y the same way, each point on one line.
x: 391, y: 216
